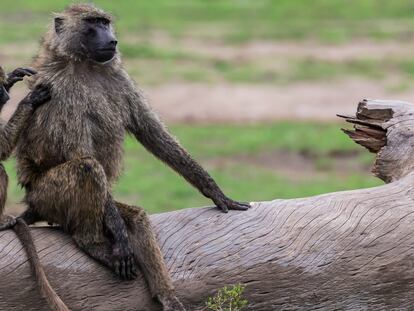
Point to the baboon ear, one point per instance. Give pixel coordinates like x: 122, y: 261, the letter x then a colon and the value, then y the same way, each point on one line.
x: 58, y: 24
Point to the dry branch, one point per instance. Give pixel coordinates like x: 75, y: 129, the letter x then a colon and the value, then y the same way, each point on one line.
x: 348, y: 250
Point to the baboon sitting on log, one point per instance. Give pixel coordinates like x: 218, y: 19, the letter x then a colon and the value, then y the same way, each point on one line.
x: 9, y: 134
x: 70, y: 153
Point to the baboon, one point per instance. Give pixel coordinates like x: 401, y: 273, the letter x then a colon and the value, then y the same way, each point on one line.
x: 10, y: 132
x: 70, y: 153
x: 8, y: 138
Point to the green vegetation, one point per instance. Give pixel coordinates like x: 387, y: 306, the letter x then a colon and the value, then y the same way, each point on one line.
x: 233, y: 155
x: 228, y: 299
x: 332, y: 21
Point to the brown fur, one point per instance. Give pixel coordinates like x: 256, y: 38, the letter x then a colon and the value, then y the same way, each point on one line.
x: 2, y: 76
x: 8, y: 138
x: 70, y: 153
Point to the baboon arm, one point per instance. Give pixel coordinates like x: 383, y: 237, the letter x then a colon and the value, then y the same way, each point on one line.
x: 10, y: 132
x: 145, y: 125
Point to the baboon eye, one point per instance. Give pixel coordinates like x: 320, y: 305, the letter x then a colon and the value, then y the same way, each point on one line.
x: 105, y: 21
x: 91, y: 32
x: 97, y: 20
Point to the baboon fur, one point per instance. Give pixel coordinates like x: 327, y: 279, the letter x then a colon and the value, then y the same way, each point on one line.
x: 9, y: 133
x: 70, y: 153
x: 2, y: 76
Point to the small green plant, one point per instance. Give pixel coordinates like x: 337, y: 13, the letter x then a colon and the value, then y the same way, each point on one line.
x: 227, y: 299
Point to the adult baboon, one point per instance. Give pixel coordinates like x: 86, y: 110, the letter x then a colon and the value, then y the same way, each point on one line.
x: 71, y: 152
x: 9, y: 134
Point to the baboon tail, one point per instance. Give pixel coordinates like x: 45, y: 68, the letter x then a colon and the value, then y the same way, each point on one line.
x: 23, y: 232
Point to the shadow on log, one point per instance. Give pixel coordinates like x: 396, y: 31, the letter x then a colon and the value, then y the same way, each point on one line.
x: 348, y: 250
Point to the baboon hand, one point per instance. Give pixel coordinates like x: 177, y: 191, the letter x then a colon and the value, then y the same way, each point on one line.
x: 18, y: 75
x: 124, y: 262
x: 227, y: 204
x: 37, y: 97
x: 7, y: 222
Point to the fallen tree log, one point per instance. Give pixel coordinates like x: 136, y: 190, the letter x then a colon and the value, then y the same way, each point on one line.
x: 350, y: 250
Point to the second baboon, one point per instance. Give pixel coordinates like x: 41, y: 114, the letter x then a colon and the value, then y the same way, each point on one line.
x: 70, y: 153
x: 9, y: 134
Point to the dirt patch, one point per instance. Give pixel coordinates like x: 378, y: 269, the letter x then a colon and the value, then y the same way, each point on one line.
x: 259, y: 103
x: 187, y: 102
x: 297, y: 166
x: 253, y: 50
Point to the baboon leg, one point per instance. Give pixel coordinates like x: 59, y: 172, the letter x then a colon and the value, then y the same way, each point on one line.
x: 6, y: 221
x: 117, y: 232
x: 74, y: 195
x: 148, y: 256
x: 4, y: 181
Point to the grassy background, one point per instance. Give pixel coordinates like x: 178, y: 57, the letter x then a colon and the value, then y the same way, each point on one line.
x: 151, y: 33
x: 238, y: 20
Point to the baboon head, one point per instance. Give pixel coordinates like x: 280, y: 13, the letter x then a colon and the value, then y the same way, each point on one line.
x: 82, y: 32
x: 4, y: 95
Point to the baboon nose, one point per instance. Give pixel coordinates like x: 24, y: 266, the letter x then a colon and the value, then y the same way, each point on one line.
x: 113, y: 43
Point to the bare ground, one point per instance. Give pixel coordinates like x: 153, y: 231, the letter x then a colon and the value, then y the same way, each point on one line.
x: 255, y: 103
x: 361, y: 49
x: 187, y: 102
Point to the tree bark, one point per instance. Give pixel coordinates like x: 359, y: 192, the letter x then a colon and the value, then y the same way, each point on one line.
x: 348, y: 250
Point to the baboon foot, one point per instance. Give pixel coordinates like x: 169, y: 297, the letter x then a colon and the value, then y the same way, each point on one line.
x: 118, y: 259
x: 123, y: 261
x: 7, y: 222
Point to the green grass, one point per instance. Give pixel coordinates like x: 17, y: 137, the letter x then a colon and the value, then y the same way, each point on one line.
x: 148, y: 51
x: 232, y: 20
x: 149, y: 183
x: 306, y: 69
x: 224, y: 140
x: 171, y: 67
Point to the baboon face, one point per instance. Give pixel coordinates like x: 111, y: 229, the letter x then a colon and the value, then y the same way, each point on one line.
x: 4, y: 95
x: 86, y: 35
x: 99, y: 40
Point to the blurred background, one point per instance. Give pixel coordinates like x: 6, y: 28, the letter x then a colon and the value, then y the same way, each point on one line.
x: 250, y: 87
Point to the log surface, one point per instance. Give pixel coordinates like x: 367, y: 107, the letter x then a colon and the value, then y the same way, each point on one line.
x: 348, y: 250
